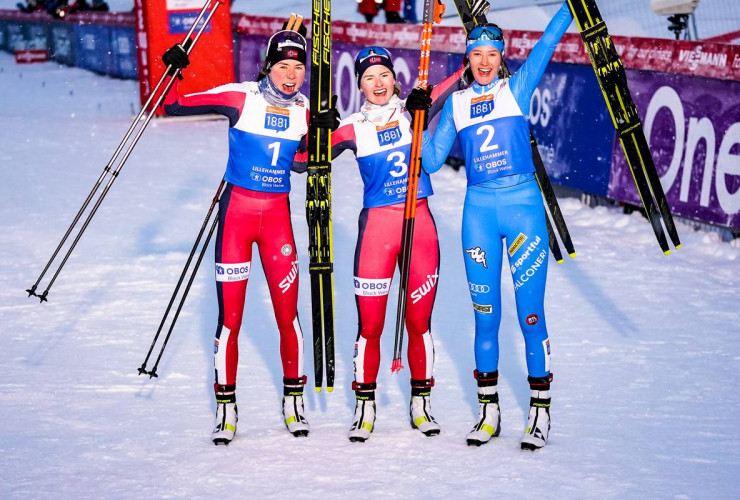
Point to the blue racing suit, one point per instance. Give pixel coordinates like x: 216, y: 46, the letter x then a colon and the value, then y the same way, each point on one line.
x: 502, y: 201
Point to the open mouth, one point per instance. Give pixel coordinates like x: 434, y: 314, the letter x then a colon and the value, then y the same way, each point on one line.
x: 380, y: 92
x: 485, y: 71
x: 288, y: 87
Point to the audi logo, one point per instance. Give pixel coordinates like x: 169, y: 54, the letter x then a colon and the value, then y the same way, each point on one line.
x: 479, y: 288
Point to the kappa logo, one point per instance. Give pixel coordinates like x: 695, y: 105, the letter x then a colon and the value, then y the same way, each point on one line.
x: 478, y: 255
x: 532, y: 319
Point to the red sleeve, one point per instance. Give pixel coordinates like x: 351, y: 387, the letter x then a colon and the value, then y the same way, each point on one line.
x: 228, y: 103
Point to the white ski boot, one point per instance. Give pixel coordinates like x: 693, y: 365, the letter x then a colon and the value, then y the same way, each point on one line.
x: 538, y: 422
x: 364, y: 419
x: 226, y: 415
x: 489, y: 415
x: 293, y: 411
x: 420, y: 408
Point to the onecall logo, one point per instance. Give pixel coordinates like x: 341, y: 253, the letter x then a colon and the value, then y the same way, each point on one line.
x: 719, y: 164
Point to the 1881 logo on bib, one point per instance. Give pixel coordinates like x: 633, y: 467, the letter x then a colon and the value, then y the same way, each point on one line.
x: 481, y: 106
x: 389, y: 133
x: 277, y: 118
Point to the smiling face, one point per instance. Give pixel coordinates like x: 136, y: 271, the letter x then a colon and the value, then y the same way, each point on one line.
x: 484, y: 63
x: 378, y: 83
x: 288, y: 75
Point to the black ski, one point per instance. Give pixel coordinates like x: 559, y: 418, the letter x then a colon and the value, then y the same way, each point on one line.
x: 318, y: 199
x: 613, y: 82
x: 472, y: 13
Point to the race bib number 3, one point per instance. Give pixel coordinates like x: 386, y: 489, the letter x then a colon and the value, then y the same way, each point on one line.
x: 277, y: 119
x: 388, y: 134
x: 481, y: 106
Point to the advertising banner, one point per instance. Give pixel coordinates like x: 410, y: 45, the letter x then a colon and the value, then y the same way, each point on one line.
x: 62, y: 43
x: 163, y: 23
x: 93, y: 48
x: 693, y: 128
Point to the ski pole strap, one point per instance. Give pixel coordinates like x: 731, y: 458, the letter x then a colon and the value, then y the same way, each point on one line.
x: 486, y: 379
x: 540, y: 383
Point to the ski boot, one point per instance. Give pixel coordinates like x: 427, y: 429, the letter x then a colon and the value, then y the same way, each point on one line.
x: 420, y: 407
x: 393, y: 18
x: 538, y: 422
x: 364, y: 419
x: 489, y: 413
x: 293, y: 406
x: 226, y: 414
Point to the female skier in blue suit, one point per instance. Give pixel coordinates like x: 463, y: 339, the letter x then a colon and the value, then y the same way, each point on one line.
x: 503, y: 201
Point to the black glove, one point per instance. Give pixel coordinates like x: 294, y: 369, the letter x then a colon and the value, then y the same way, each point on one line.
x: 328, y: 118
x: 419, y: 100
x: 176, y: 57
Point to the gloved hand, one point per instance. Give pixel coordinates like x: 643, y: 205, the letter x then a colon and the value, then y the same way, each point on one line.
x: 177, y: 58
x: 328, y: 118
x: 421, y: 100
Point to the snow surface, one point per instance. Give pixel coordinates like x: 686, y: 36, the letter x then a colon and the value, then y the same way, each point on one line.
x: 646, y: 348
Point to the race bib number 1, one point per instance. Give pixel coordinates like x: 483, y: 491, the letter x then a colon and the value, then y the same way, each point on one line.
x: 277, y: 119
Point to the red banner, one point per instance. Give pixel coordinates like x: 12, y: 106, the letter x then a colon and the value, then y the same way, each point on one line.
x: 162, y: 23
x: 29, y: 56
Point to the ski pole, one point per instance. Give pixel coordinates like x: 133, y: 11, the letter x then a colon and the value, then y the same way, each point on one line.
x: 188, y: 44
x: 153, y: 371
x: 433, y: 10
x: 142, y: 368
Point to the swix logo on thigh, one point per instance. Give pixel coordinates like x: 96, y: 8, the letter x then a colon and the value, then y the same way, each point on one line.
x: 478, y: 255
x: 425, y: 287
x: 290, y: 278
x: 366, y: 287
x: 232, y: 272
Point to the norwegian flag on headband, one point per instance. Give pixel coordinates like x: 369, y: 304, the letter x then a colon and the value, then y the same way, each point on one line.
x: 374, y: 60
x: 292, y: 54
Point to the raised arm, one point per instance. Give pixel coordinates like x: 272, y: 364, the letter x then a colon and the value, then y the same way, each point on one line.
x: 528, y: 76
x: 226, y: 100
